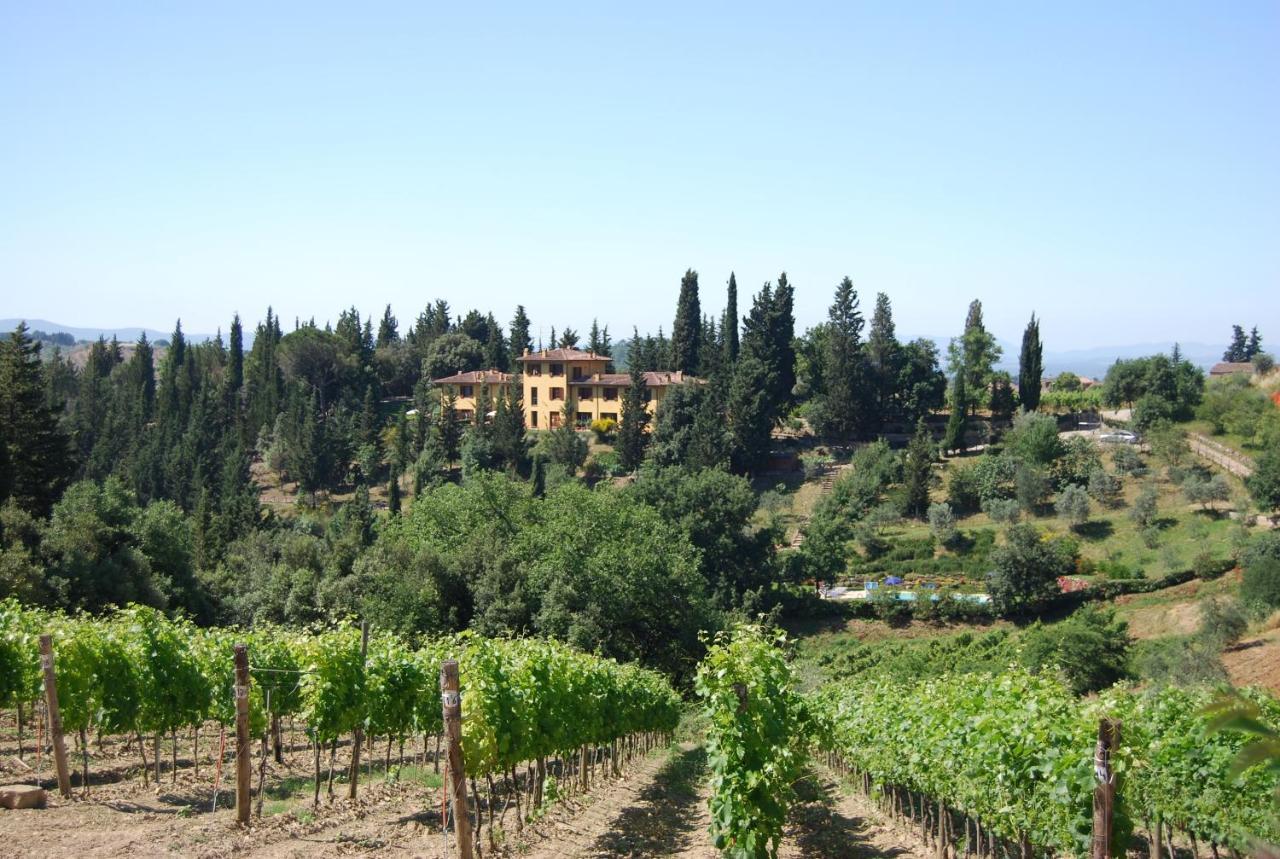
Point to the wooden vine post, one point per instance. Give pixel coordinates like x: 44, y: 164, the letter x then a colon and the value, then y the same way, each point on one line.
x: 55, y: 717
x: 243, y: 782
x: 1104, y: 794
x: 358, y: 738
x: 451, y: 706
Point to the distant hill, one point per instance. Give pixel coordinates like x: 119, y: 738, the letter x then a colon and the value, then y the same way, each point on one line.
x: 123, y: 334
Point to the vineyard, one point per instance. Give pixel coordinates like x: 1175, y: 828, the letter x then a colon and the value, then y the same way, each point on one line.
x: 137, y: 675
x: 988, y: 764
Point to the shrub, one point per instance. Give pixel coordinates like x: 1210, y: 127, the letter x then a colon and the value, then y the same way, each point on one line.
x: 1261, y: 584
x: 604, y: 428
x: 1104, y: 488
x: 1032, y: 487
x: 1090, y: 649
x: 1073, y: 505
x: 1222, y: 621
x: 1145, y: 507
x: 1206, y: 492
x: 1127, y: 460
x: 942, y: 523
x: 1005, y: 511
x: 1206, y: 567
x: 1034, y: 438
x: 962, y: 489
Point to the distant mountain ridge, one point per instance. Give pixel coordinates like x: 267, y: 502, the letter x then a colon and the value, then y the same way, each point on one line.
x: 1092, y: 362
x: 123, y: 334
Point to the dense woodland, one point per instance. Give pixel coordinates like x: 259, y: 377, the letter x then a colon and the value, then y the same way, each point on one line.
x: 136, y: 475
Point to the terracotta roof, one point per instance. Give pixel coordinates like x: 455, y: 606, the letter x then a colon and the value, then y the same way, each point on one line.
x: 652, y: 379
x: 563, y: 355
x: 1226, y: 368
x: 476, y: 377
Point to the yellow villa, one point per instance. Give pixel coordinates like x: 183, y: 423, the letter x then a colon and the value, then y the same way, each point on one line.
x: 551, y: 377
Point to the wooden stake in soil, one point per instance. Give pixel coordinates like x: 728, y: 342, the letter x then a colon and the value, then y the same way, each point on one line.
x: 244, y: 788
x: 355, y: 741
x: 55, y: 718
x: 451, y: 707
x: 1104, y: 794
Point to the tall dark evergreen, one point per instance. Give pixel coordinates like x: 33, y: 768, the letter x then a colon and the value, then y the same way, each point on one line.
x: 686, y: 333
x: 235, y: 356
x: 1030, y: 366
x: 509, y: 442
x: 264, y: 378
x: 36, y: 460
x: 519, y: 336
x: 1254, y: 346
x: 782, y: 328
x: 975, y: 353
x: 884, y: 359
x: 449, y: 428
x: 633, y: 428
x: 599, y: 341
x: 840, y: 412
x: 388, y: 330
x: 957, y: 423
x: 750, y: 412
x: 1239, y: 348
x: 917, y: 471
x: 729, y: 322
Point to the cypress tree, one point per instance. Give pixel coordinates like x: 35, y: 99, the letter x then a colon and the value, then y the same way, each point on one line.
x: 749, y: 413
x: 782, y: 329
x: 1030, y: 366
x: 975, y: 352
x: 1254, y: 346
x: 729, y: 322
x: 957, y: 423
x: 686, y: 333
x: 632, y: 438
x: 449, y: 430
x: 393, y: 491
x: 235, y: 357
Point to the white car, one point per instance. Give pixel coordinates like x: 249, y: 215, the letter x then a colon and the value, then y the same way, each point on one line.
x: 1120, y: 436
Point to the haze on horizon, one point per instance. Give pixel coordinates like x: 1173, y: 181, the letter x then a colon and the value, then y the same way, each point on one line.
x: 1111, y: 168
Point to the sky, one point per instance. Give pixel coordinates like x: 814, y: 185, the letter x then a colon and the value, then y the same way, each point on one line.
x: 1114, y: 167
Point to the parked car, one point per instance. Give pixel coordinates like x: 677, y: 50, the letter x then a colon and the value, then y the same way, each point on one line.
x: 1120, y: 436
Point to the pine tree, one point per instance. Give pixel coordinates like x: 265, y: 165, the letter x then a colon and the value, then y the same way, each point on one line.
x: 957, y: 424
x: 37, y: 460
x: 686, y: 333
x: 497, y: 354
x: 598, y: 341
x: 917, y: 471
x: 884, y: 363
x: 1254, y: 346
x: 388, y: 330
x: 519, y: 340
x: 508, y: 428
x: 1239, y: 346
x: 976, y: 351
x: 841, y: 412
x: 1030, y: 366
x: 782, y: 329
x: 729, y: 322
x: 632, y: 431
x: 568, y: 339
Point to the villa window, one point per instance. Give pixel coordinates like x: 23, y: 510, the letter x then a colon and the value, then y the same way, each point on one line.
x: 609, y: 416
x: 584, y: 393
x: 557, y: 393
x: 555, y: 420
x: 533, y: 396
x: 468, y: 391
x: 533, y: 419
x: 557, y: 369
x: 611, y: 393
x: 584, y: 419
x: 534, y: 370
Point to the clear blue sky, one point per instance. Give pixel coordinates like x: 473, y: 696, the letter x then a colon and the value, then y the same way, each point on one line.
x: 1113, y: 166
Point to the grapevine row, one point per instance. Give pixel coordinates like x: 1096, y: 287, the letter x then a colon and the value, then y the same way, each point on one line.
x: 756, y: 739
x: 1006, y: 762
x: 138, y: 673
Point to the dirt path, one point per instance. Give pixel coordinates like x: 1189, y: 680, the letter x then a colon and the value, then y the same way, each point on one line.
x: 662, y: 811
x: 658, y: 808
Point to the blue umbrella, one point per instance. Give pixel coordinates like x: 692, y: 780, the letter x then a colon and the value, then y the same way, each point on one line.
x: 893, y: 580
